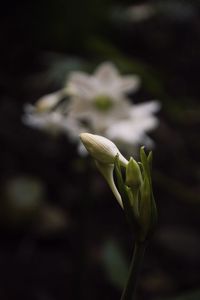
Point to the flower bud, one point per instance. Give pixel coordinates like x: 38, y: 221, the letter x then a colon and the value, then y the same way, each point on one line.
x: 133, y: 174
x: 102, y: 149
x: 47, y: 102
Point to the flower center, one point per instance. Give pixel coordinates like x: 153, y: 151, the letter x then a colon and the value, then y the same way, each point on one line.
x: 103, y: 103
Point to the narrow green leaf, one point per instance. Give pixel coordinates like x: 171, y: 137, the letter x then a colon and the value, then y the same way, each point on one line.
x: 145, y: 209
x: 150, y: 159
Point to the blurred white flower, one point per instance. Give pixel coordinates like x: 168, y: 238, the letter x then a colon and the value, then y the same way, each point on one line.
x: 100, y: 99
x: 106, y: 81
x: 97, y: 104
x: 100, y: 102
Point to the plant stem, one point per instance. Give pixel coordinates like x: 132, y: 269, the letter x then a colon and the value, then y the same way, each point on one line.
x: 136, y: 262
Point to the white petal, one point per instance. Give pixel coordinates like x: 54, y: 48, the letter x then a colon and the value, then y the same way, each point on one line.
x: 48, y: 101
x: 53, y: 122
x: 107, y: 171
x: 80, y: 84
x: 122, y: 132
x: 71, y: 127
x: 131, y: 131
x: 129, y: 83
x: 78, y: 107
x: 144, y: 109
x: 106, y: 73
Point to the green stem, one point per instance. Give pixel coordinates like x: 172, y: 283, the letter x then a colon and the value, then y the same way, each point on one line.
x: 136, y: 262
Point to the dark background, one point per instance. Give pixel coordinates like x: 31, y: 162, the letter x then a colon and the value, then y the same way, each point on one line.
x: 62, y: 234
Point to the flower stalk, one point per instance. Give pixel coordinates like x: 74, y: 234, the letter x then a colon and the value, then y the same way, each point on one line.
x: 135, y: 267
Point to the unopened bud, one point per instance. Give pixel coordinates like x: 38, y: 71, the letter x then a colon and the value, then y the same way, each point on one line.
x: 102, y: 149
x: 133, y: 174
x: 47, y: 102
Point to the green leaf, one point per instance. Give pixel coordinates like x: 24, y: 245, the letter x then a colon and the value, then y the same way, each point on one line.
x: 145, y: 208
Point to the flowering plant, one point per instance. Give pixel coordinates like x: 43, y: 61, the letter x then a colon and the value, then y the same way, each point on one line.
x: 134, y: 194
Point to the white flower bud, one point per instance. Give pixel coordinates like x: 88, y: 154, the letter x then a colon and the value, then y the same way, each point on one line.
x: 47, y: 102
x: 102, y: 149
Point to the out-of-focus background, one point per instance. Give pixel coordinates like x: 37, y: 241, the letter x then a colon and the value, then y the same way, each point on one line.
x: 62, y: 234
